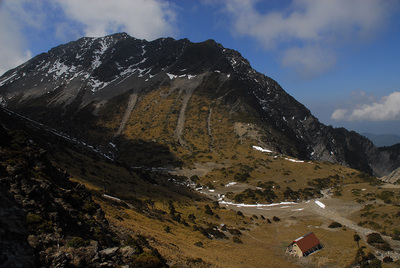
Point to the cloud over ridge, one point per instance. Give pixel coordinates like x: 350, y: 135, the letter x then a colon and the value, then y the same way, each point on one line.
x: 387, y: 108
x: 70, y: 19
x: 309, y: 31
x: 147, y: 19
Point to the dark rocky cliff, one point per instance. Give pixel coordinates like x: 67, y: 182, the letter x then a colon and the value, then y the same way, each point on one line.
x: 48, y: 220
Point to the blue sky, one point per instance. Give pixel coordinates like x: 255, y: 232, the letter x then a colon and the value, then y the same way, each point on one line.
x: 340, y: 58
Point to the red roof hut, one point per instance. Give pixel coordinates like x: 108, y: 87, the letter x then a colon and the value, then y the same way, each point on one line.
x: 304, y: 245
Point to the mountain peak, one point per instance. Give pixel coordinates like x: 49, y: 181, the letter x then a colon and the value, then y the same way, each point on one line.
x: 190, y: 96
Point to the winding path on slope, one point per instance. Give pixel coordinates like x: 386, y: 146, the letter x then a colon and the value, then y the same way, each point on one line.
x: 326, y: 207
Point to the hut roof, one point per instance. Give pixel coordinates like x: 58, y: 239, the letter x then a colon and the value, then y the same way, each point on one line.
x: 306, y: 242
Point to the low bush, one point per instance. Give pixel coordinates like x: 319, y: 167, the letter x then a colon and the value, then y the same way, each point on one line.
x: 198, y: 244
x: 234, y: 231
x: 77, y: 242
x: 38, y: 224
x: 387, y: 259
x: 377, y: 241
x: 335, y: 225
x: 208, y: 210
x: 196, y: 260
x: 215, y: 233
x: 147, y: 260
x: 375, y: 238
x: 237, y: 240
x: 275, y: 218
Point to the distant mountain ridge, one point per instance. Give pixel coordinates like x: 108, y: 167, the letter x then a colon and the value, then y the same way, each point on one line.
x: 174, y: 102
x: 382, y: 139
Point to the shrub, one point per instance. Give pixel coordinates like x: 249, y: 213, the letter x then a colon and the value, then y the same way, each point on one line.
x: 130, y: 241
x: 33, y: 218
x: 209, y: 185
x: 377, y: 241
x: 167, y: 229
x: 396, y: 237
x: 38, y: 224
x: 214, y: 232
x: 234, y: 231
x: 196, y: 260
x: 77, y: 242
x: 198, y: 244
x: 237, y: 240
x: 275, y: 218
x: 386, y: 196
x: 98, y: 235
x: 194, y: 178
x: 335, y: 225
x: 387, y: 259
x: 239, y: 198
x: 147, y: 260
x: 192, y: 218
x: 375, y: 263
x: 360, y: 201
x: 375, y: 238
x: 89, y: 207
x: 215, y: 204
x: 242, y: 177
x: 208, y: 210
x: 337, y: 192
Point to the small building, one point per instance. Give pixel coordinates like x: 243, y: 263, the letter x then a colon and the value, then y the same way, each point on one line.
x: 304, y: 245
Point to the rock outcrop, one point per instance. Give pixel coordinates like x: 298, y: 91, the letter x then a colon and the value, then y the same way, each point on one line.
x: 46, y: 220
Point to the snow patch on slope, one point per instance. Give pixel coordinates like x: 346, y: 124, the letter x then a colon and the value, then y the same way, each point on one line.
x: 258, y: 148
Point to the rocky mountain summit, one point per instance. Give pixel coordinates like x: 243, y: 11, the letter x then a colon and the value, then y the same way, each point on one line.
x: 174, y: 102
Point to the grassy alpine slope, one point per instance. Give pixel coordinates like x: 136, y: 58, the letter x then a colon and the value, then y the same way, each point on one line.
x: 176, y: 220
x: 187, y: 228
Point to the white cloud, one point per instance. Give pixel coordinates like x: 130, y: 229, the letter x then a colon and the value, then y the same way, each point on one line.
x: 387, y: 108
x: 307, y: 32
x: 65, y: 20
x: 309, y: 61
x: 13, y: 45
x: 146, y: 19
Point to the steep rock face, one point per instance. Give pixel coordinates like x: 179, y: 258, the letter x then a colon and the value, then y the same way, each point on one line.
x: 187, y: 97
x: 49, y: 221
x: 15, y: 250
x: 393, y: 177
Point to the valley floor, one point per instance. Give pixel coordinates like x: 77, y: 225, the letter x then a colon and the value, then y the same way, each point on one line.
x: 323, y: 210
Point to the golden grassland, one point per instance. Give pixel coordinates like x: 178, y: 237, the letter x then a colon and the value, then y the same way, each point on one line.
x: 380, y: 206
x: 179, y: 243
x: 263, y: 244
x: 224, y: 150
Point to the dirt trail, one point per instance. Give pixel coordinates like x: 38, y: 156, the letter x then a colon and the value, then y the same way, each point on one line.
x: 131, y: 104
x: 326, y: 207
